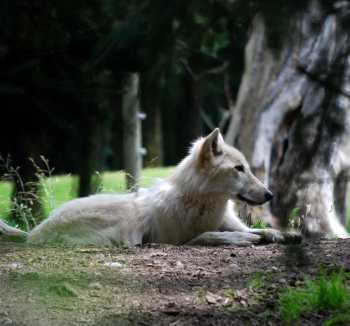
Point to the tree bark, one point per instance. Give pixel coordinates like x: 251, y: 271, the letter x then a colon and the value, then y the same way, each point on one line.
x: 132, y: 131
x: 292, y: 117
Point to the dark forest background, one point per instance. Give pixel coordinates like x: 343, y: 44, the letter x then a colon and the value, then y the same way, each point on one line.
x: 64, y: 67
x: 63, y: 63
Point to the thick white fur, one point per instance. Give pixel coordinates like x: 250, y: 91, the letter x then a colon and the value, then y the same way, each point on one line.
x: 195, y: 199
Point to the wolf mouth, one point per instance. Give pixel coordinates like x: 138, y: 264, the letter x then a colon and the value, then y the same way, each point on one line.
x: 248, y: 201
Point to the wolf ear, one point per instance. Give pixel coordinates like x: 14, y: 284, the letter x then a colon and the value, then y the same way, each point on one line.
x: 211, y: 146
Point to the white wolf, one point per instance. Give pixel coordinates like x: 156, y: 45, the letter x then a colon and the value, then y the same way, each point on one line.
x: 194, y: 205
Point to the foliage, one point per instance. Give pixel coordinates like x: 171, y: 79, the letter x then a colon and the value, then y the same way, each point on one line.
x: 22, y: 211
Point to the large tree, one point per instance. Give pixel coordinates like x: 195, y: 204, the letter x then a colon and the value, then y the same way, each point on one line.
x: 292, y: 114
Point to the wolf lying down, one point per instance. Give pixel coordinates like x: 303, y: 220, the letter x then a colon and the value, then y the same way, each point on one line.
x: 193, y: 206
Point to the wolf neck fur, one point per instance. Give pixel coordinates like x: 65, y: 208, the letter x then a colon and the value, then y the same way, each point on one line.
x: 193, y: 188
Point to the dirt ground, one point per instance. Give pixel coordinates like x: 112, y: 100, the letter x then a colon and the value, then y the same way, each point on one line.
x: 158, y: 284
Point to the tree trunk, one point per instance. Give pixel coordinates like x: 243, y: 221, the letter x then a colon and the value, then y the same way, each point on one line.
x: 190, y: 114
x: 132, y: 131
x: 292, y: 117
x: 88, y: 163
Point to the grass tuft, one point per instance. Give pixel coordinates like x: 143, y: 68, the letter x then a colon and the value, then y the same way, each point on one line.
x: 258, y: 280
x: 322, y: 294
x: 259, y: 224
x: 342, y: 319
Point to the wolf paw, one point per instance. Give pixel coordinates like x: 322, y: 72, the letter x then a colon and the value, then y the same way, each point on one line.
x: 276, y: 236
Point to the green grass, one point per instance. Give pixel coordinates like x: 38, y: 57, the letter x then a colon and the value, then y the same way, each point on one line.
x: 342, y: 319
x: 59, y: 189
x: 325, y: 293
x: 5, y: 195
x: 59, y: 284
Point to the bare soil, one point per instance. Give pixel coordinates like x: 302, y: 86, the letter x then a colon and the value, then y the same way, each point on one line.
x: 158, y: 284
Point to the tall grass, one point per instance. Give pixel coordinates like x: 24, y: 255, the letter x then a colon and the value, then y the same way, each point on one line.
x: 56, y: 190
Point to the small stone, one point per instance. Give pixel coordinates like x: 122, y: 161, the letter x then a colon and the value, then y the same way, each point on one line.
x: 114, y: 264
x: 212, y: 298
x: 282, y: 281
x: 85, y: 320
x: 14, y: 265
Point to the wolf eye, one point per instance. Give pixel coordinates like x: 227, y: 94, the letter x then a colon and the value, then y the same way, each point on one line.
x: 239, y: 168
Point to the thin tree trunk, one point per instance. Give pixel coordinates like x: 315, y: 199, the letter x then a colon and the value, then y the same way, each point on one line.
x: 88, y: 162
x: 95, y: 129
x: 193, y: 106
x: 292, y: 117
x: 132, y: 131
x: 190, y: 113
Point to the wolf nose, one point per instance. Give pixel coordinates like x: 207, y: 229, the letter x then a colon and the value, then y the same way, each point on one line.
x: 268, y: 196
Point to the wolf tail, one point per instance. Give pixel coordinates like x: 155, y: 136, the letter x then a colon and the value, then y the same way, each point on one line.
x: 9, y: 233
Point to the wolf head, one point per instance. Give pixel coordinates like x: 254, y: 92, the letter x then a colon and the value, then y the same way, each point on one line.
x: 228, y: 171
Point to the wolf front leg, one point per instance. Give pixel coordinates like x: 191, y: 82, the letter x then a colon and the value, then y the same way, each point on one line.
x: 231, y: 222
x: 231, y: 232
x: 225, y: 238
